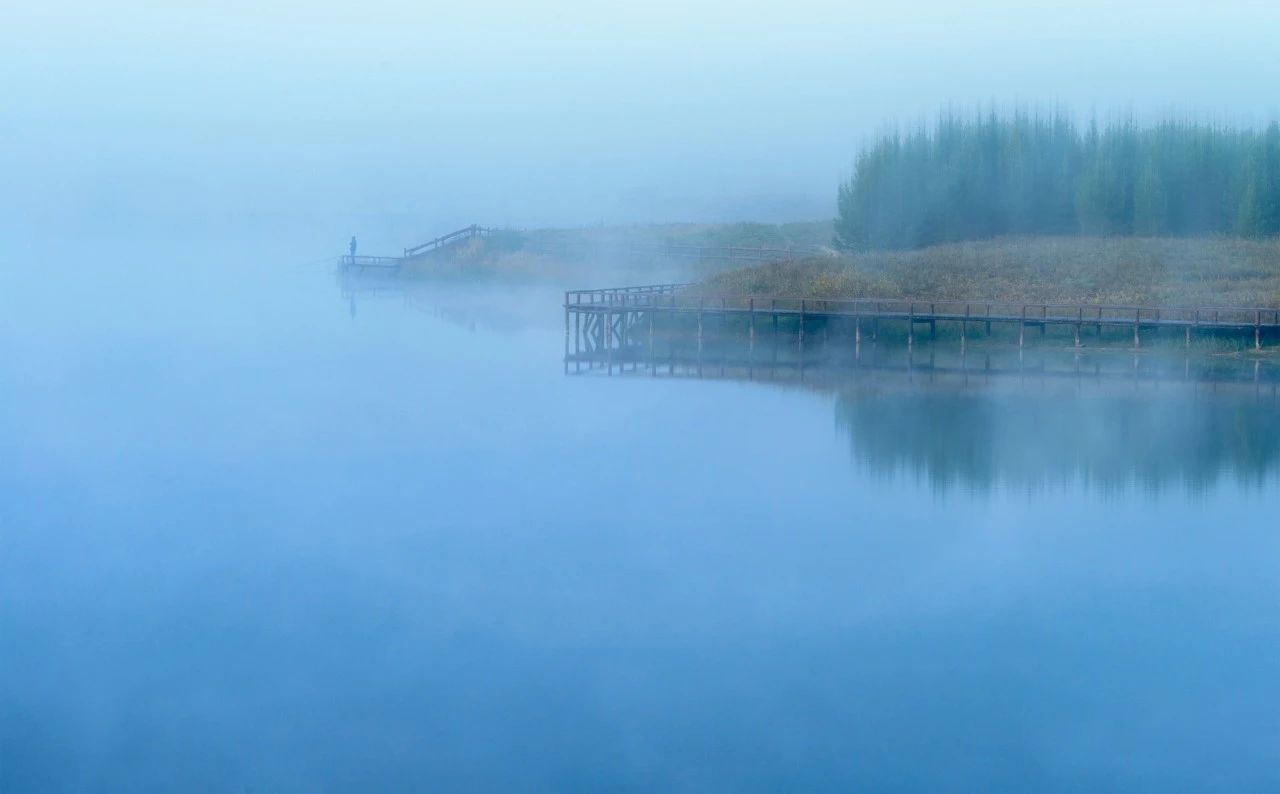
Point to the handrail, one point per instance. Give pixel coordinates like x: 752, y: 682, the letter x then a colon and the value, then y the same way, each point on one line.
x: 363, y: 260
x: 470, y: 231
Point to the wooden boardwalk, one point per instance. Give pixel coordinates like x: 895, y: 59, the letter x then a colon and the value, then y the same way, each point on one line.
x: 577, y: 248
x: 611, y: 318
x: 360, y: 263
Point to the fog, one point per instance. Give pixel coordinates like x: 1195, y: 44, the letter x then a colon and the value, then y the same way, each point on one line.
x: 403, y: 118
x: 268, y: 523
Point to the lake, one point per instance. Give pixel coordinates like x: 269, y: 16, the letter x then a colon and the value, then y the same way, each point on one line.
x: 262, y: 533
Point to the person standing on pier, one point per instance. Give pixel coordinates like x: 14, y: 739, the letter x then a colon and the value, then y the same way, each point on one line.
x: 352, y: 247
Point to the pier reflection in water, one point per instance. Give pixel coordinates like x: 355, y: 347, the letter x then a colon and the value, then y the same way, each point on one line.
x: 990, y: 417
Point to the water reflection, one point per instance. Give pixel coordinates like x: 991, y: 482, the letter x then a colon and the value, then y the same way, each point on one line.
x: 1107, y: 420
x: 1036, y: 437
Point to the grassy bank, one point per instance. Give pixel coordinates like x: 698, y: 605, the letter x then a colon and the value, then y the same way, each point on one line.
x: 1208, y: 271
x: 808, y: 234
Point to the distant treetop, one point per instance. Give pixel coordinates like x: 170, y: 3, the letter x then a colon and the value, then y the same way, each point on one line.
x: 981, y: 176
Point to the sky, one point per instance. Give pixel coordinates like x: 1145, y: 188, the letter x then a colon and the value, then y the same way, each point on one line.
x: 190, y: 114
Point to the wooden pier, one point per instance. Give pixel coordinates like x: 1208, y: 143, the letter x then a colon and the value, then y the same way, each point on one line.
x: 729, y: 254
x: 610, y: 319
x: 363, y: 264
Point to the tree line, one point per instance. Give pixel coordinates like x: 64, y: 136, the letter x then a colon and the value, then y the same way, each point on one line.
x: 975, y: 177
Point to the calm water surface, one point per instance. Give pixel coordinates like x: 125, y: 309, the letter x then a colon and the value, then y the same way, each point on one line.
x: 255, y: 537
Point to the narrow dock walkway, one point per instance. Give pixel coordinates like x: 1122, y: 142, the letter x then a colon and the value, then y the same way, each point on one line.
x: 607, y: 318
x: 596, y: 250
x: 360, y: 263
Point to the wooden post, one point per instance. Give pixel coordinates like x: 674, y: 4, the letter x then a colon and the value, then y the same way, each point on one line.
x: 1079, y: 317
x: 1044, y: 319
x: 801, y: 330
x: 1137, y: 317
x: 911, y: 324
x: 964, y: 326
x: 1022, y: 327
x: 608, y: 339
x: 622, y: 326
x: 988, y: 319
x: 653, y: 364
x: 1257, y: 331
x: 751, y: 321
x: 701, y: 303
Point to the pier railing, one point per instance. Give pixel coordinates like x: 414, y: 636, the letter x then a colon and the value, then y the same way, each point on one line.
x: 681, y: 299
x: 361, y: 261
x: 447, y: 239
x: 648, y: 294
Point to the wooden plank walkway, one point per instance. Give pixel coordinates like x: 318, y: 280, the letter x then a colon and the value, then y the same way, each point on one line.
x: 361, y: 263
x: 729, y: 253
x: 610, y: 315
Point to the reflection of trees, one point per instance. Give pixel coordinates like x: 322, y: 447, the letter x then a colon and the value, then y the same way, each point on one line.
x: 1112, y: 442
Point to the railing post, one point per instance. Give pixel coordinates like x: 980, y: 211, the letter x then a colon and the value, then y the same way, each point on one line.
x: 653, y: 367
x: 701, y: 304
x: 801, y: 331
x: 622, y: 328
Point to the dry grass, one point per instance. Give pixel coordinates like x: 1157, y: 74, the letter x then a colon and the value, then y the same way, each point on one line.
x: 1214, y: 271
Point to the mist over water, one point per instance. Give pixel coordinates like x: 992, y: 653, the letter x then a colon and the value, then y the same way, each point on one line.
x: 254, y: 541
x: 265, y: 527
